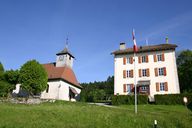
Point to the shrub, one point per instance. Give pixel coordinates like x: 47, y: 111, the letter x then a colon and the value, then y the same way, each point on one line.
x: 172, y: 99
x: 129, y: 99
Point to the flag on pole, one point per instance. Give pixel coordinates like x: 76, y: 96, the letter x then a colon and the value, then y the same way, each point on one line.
x: 135, y: 49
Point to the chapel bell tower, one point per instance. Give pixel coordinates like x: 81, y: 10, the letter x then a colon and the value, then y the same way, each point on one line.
x: 64, y: 58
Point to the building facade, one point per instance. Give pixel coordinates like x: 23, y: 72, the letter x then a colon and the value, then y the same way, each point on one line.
x: 156, y: 70
x: 62, y: 82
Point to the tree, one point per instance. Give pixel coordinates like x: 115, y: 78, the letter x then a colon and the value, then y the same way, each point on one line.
x: 1, y: 71
x: 5, y: 88
x: 12, y: 76
x: 33, y: 77
x: 184, y: 63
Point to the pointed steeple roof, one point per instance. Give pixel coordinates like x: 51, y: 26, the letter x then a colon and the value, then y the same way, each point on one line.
x: 65, y: 51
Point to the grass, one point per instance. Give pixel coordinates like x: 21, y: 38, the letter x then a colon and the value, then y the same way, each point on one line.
x: 82, y: 115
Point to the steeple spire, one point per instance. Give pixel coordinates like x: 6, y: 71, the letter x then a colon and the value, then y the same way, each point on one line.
x: 67, y: 42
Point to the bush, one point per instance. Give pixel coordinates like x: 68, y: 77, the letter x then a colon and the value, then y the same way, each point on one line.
x: 129, y: 99
x: 172, y: 99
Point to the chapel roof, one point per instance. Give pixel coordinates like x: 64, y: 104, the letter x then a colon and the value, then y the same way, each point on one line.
x: 65, y: 73
x: 148, y: 48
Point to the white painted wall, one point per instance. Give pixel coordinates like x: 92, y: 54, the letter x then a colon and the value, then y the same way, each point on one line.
x: 59, y: 90
x: 169, y: 63
x: 66, y: 61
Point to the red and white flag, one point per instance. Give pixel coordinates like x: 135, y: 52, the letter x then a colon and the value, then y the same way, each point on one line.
x: 135, y: 49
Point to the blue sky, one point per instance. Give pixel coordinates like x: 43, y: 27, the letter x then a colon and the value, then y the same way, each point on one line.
x: 37, y: 29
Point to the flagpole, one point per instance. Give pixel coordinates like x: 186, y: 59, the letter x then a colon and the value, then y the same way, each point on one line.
x: 135, y: 83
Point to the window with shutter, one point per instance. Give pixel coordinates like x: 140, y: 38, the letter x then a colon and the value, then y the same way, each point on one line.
x: 131, y: 74
x: 157, y: 87
x: 164, y: 71
x: 147, y: 58
x: 124, y: 88
x: 139, y: 59
x: 140, y: 73
x: 156, y: 71
x: 131, y: 60
x: 163, y: 57
x: 124, y: 73
x: 148, y: 73
x: 124, y: 60
x: 155, y: 58
x: 166, y: 86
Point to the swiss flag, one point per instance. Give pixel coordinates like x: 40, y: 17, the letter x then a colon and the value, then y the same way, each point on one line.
x: 135, y: 49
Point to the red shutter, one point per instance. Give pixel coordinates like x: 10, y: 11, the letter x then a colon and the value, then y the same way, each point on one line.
x: 131, y: 60
x: 140, y: 73
x: 166, y: 86
x: 157, y: 87
x: 139, y: 59
x: 148, y: 74
x: 155, y: 58
x: 163, y: 57
x: 124, y: 88
x: 132, y: 86
x: 124, y: 73
x: 124, y: 60
x: 156, y: 71
x: 147, y: 58
x: 165, y: 72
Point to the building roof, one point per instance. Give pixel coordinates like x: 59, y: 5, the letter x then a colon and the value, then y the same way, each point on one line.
x: 65, y: 73
x: 65, y: 51
x: 149, y: 48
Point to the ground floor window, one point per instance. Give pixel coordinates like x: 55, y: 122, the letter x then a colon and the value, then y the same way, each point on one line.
x: 129, y: 88
x: 162, y: 86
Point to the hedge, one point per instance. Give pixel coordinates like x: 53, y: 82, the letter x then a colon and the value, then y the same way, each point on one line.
x: 129, y: 99
x: 172, y: 99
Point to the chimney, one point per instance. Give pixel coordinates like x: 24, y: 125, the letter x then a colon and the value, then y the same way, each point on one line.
x: 122, y: 46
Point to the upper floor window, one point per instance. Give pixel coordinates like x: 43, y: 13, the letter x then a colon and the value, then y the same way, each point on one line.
x: 159, y: 57
x: 160, y: 71
x: 130, y: 60
x: 127, y: 73
x: 143, y: 59
x: 144, y: 72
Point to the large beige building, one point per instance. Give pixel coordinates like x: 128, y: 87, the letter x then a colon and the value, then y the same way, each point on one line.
x: 156, y: 70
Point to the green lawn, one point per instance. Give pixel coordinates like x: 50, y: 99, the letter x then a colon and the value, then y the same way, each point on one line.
x: 82, y: 115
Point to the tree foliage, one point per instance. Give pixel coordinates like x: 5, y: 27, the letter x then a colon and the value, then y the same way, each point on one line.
x: 5, y: 87
x: 12, y: 76
x: 184, y: 63
x: 1, y: 71
x: 33, y: 77
x: 97, y: 91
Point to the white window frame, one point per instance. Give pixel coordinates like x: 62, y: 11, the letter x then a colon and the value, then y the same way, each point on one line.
x: 143, y: 59
x: 161, y: 71
x: 128, y: 73
x: 144, y: 72
x: 162, y: 87
x: 128, y: 60
x: 128, y: 88
x: 159, y: 57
